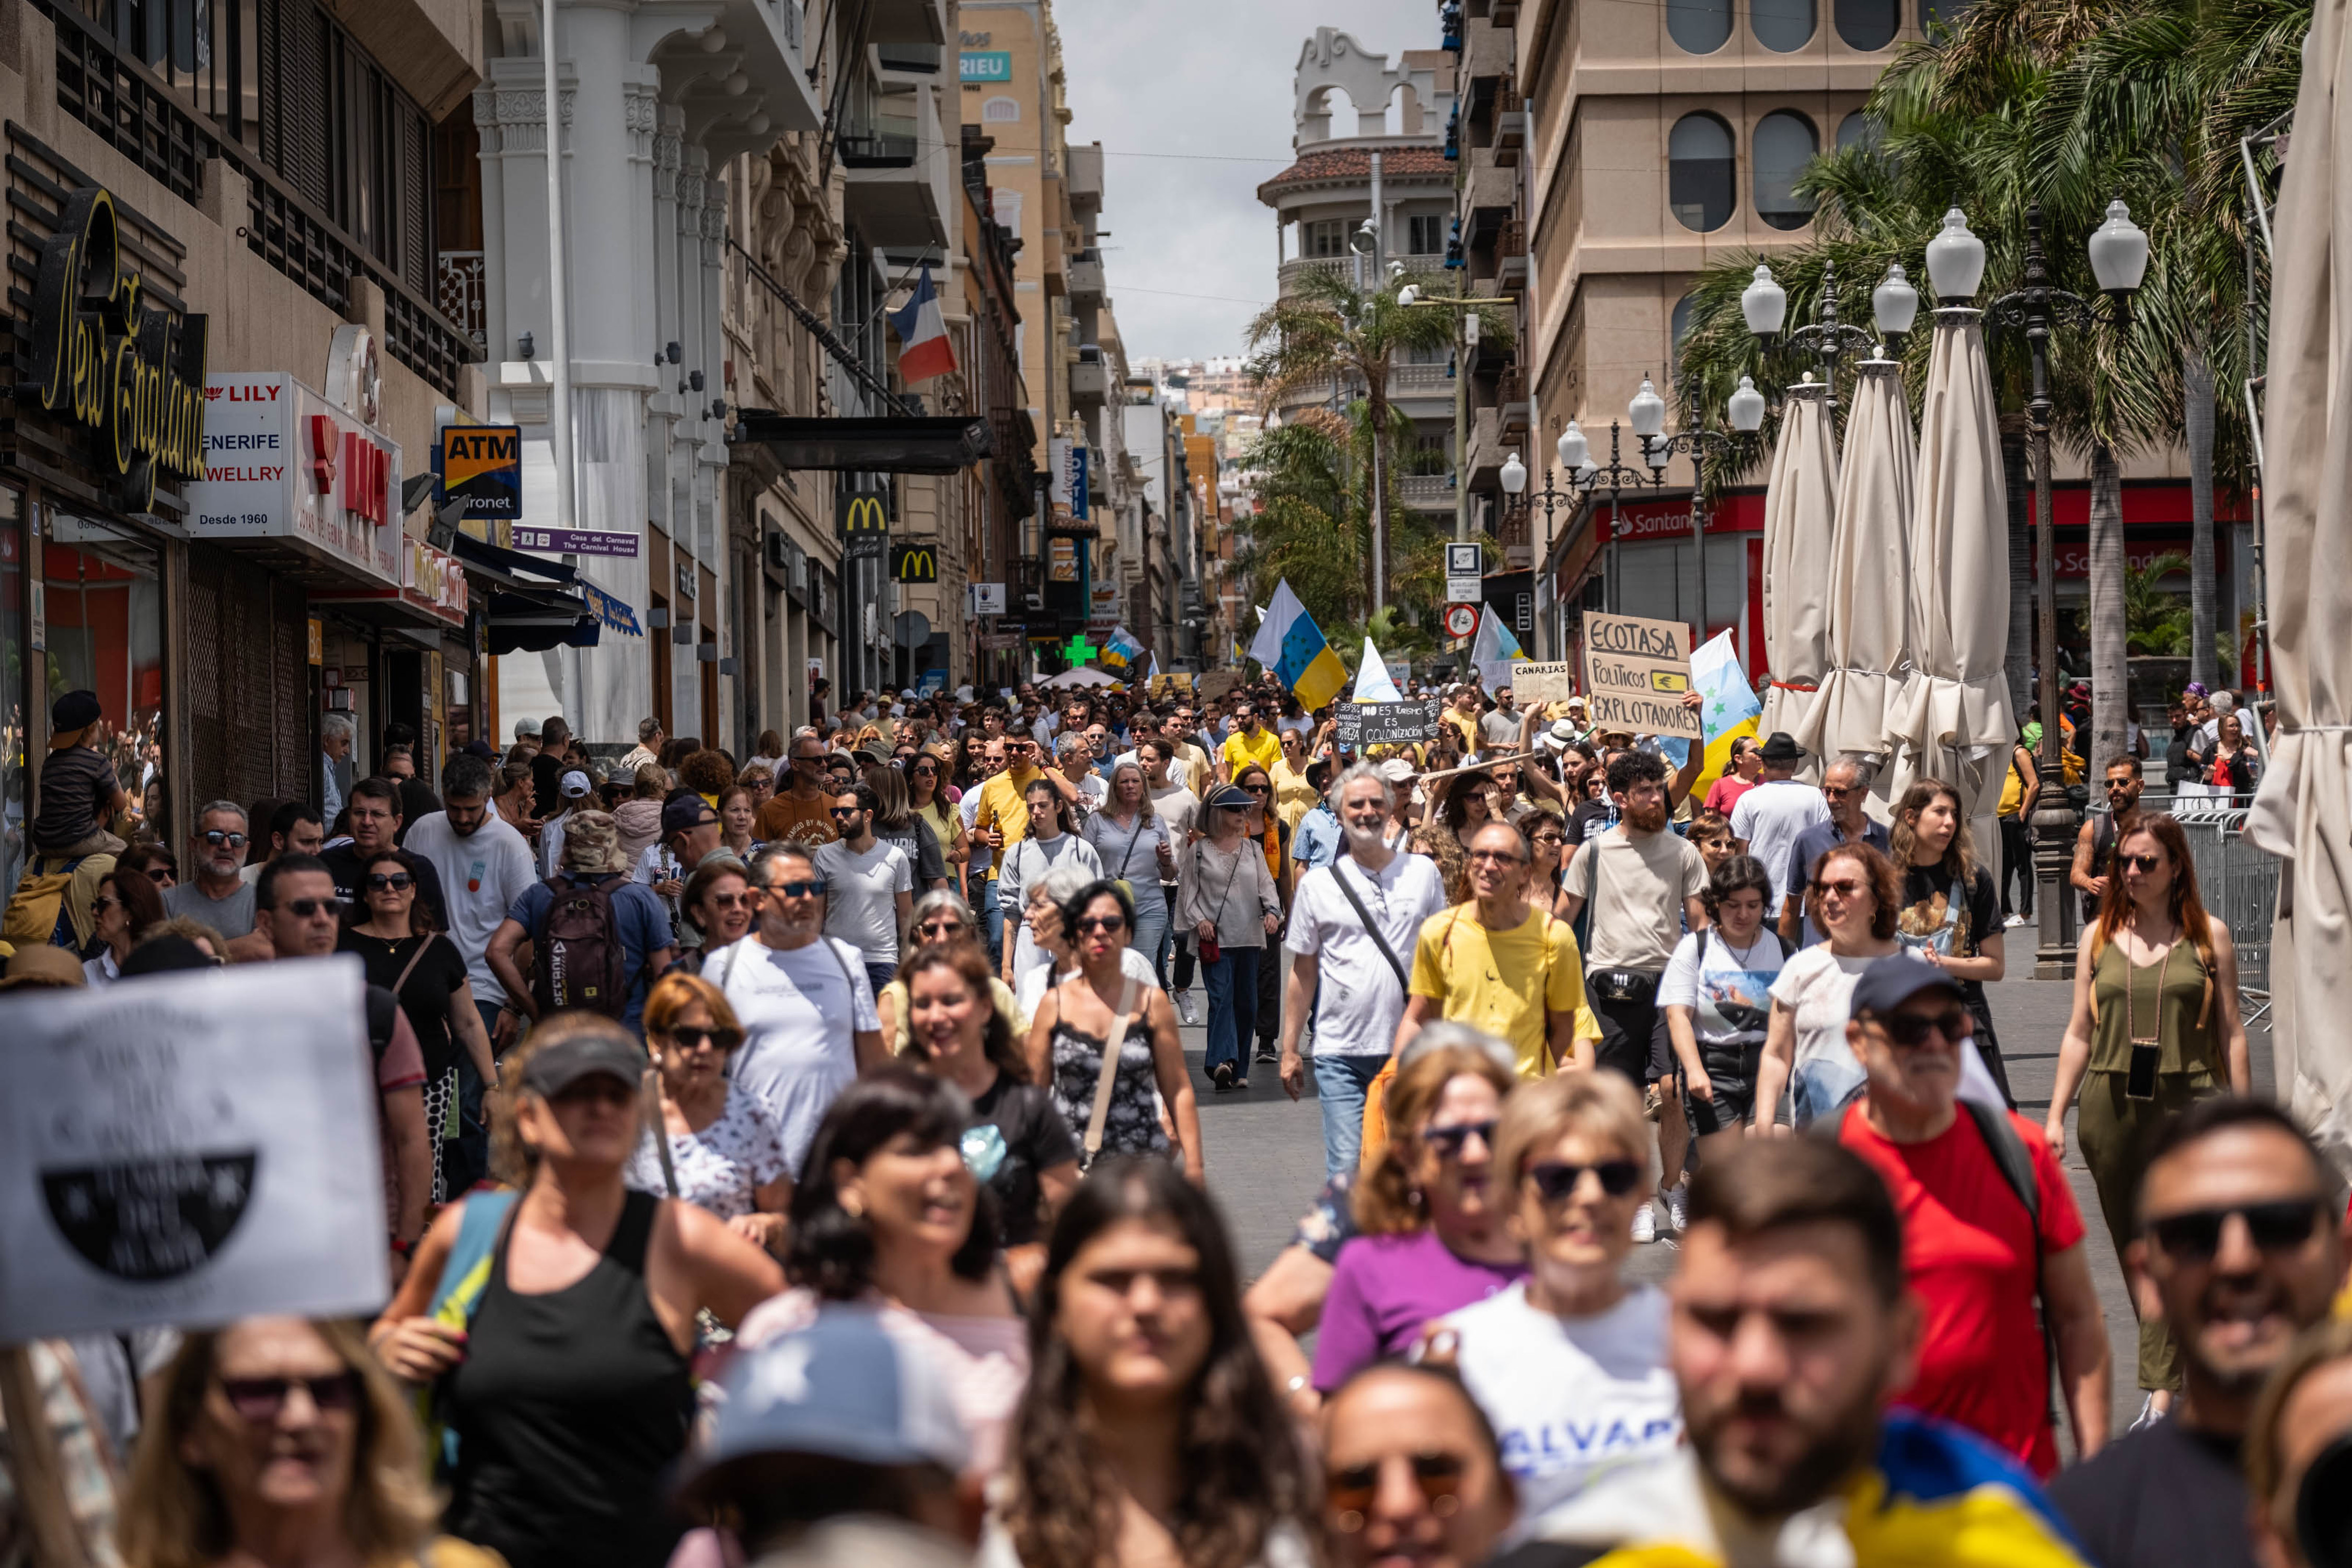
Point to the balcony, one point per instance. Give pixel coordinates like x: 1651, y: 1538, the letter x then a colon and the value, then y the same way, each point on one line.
x: 1492, y: 197
x: 910, y: 59
x: 763, y: 40
x: 898, y: 190
x: 1085, y: 280
x: 906, y: 22
x: 1340, y: 267
x: 1420, y: 382
x: 1085, y: 178
x: 1511, y: 256
x: 1511, y: 119
x: 1427, y: 492
x: 1512, y: 399
x: 1089, y: 380
x: 1488, y: 445
x: 1486, y: 55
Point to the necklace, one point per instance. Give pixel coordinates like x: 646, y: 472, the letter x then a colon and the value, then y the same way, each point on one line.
x: 1743, y: 956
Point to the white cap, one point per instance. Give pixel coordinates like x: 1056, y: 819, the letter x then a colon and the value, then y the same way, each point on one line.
x: 574, y: 784
x: 1396, y: 769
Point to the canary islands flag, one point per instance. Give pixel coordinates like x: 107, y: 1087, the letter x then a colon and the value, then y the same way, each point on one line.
x: 1728, y: 706
x: 1291, y: 645
x: 1494, y: 650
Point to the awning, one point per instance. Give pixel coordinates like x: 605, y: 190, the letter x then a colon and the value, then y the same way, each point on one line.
x: 883, y: 446
x: 534, y: 620
x: 507, y: 568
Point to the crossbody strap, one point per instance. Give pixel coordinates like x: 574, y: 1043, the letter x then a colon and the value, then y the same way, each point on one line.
x: 1107, y: 1077
x: 1372, y: 927
x: 410, y: 967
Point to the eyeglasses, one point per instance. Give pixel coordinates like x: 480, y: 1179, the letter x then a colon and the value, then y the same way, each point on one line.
x: 2195, y: 1235
x: 1910, y: 1029
x: 808, y: 890
x: 1497, y: 857
x: 925, y: 770
x: 261, y: 1398
x: 309, y: 909
x: 1839, y: 889
x: 2115, y: 785
x: 937, y: 929
x: 394, y: 881
x: 808, y: 757
x: 1551, y: 838
x: 2141, y: 863
x: 216, y: 838
x: 693, y: 1039
x: 1447, y: 1142
x: 1556, y: 1179
x: 1837, y: 792
x: 1108, y: 925
x: 1350, y: 1491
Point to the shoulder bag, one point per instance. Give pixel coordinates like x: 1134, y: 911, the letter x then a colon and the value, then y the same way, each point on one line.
x: 1371, y: 928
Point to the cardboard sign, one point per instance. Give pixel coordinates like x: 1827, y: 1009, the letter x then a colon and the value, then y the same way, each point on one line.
x: 1533, y: 682
x: 1216, y: 683
x: 1361, y: 724
x: 1635, y: 673
x: 189, y: 1149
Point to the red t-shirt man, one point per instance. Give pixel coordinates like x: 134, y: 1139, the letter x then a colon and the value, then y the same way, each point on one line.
x: 1969, y: 1251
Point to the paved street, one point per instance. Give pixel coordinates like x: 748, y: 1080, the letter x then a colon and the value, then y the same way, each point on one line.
x: 1264, y: 1155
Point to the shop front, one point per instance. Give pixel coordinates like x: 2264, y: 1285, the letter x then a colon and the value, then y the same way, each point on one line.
x: 1639, y: 559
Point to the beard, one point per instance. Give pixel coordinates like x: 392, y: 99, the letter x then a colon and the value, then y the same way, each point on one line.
x: 1362, y: 838
x: 1833, y: 1449
x: 1650, y: 820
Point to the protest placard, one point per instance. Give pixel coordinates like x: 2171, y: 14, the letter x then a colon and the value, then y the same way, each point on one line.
x: 1216, y: 683
x: 1534, y: 682
x: 1361, y: 724
x: 190, y: 1149
x: 1635, y: 673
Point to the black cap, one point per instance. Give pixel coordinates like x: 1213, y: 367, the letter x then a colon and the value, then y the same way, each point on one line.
x: 1232, y: 797
x: 74, y: 711
x: 1782, y: 747
x: 1894, y: 980
x: 686, y: 812
x: 556, y: 1068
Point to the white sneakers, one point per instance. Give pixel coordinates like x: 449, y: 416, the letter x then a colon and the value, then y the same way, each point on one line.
x: 1678, y: 1208
x: 1184, y: 1013
x: 1645, y: 1226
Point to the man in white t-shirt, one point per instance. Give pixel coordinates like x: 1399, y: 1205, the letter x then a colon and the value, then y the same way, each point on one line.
x: 803, y: 1000
x: 1361, y: 992
x: 869, y: 887
x: 1766, y: 820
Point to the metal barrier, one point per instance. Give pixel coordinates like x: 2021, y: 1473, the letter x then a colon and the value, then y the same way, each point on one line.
x: 2238, y: 882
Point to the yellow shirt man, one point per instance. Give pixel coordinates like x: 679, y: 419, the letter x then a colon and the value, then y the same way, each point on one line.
x: 1241, y: 750
x: 1005, y: 805
x: 1505, y: 983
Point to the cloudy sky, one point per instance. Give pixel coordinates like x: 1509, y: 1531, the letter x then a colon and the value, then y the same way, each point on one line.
x: 1191, y: 99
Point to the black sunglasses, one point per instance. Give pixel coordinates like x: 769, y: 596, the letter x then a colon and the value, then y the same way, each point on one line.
x: 1556, y: 1179
x: 1909, y: 1030
x: 2195, y: 1235
x: 692, y: 1039
x: 216, y: 837
x: 396, y: 882
x: 2141, y: 863
x: 162, y: 874
x: 304, y: 909
x: 1349, y: 1491
x: 1106, y: 923
x: 261, y: 1398
x: 844, y: 811
x: 808, y: 890
x: 1448, y: 1141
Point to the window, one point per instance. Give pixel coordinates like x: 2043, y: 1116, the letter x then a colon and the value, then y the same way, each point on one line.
x: 1698, y: 26
x: 1425, y: 234
x: 1325, y: 236
x: 1935, y: 14
x: 1856, y: 131
x: 1000, y: 110
x: 1785, y: 142
x: 1677, y: 328
x: 1699, y: 172
x: 1866, y: 25
x: 1008, y: 212
x: 1781, y: 26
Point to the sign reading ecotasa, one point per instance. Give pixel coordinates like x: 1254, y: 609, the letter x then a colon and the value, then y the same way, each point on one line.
x: 1635, y: 673
x: 190, y: 1149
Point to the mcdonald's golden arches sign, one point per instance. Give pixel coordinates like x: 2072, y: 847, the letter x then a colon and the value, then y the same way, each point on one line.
x: 862, y: 511
x: 915, y: 563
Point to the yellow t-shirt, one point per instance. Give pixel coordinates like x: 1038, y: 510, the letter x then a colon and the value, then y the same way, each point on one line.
x: 1240, y: 752
x: 1467, y: 726
x: 1004, y: 803
x: 1294, y: 797
x: 1504, y: 983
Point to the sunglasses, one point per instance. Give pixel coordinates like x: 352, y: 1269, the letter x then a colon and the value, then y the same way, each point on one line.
x: 1258, y: 789
x: 105, y: 902
x: 307, y: 909
x: 936, y: 929
x: 1839, y: 889
x: 693, y: 1039
x: 2141, y: 863
x: 1106, y: 923
x: 161, y: 874
x: 1499, y: 856
x: 1556, y: 1179
x: 1449, y: 1142
x: 844, y: 813
x: 808, y: 890
x: 396, y: 882
x: 216, y: 838
x: 1350, y: 1490
x: 261, y: 1398
x: 1909, y: 1030
x: 2195, y: 1235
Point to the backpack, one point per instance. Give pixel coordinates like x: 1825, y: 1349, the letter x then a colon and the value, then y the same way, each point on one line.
x: 39, y: 912
x: 581, y: 961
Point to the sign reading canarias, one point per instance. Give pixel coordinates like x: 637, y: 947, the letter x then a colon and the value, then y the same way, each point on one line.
x: 482, y: 465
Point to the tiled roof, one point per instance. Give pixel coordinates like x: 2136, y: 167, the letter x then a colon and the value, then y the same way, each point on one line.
x: 1355, y: 163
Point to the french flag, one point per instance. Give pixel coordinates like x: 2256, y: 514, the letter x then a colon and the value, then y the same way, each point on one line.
x: 924, y: 350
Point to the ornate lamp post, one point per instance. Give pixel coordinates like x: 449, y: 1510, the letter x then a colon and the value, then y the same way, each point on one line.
x: 1747, y: 415
x: 1765, y: 304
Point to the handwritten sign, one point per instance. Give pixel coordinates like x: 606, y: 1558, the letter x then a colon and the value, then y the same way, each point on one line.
x: 1533, y: 683
x: 1361, y: 724
x: 1635, y: 673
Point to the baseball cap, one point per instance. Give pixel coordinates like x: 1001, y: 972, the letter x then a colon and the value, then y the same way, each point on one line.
x: 526, y: 727
x: 687, y: 811
x: 1396, y: 769
x: 556, y: 1068
x: 574, y: 785
x: 843, y: 1387
x: 69, y: 715
x: 907, y: 695
x: 1229, y: 798
x: 1894, y: 980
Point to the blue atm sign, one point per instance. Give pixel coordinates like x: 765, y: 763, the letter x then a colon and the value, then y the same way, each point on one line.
x: 987, y: 65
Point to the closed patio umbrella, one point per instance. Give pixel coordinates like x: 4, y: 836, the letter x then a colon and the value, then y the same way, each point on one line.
x: 2303, y: 809
x: 1799, y: 514
x: 1869, y: 610
x: 1959, y: 724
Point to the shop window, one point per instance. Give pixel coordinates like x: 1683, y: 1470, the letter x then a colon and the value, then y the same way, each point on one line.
x: 1868, y: 25
x: 1698, y: 26
x: 1699, y: 172
x: 103, y: 599
x: 1781, y: 26
x: 1785, y: 143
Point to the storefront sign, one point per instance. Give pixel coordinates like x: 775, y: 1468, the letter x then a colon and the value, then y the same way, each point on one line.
x: 984, y: 65
x: 861, y: 512
x: 1635, y: 673
x: 914, y: 563
x: 103, y: 359
x: 615, y: 616
x: 284, y: 463
x: 987, y: 598
x: 436, y: 582
x: 573, y: 542
x: 1061, y: 561
x: 481, y: 465
x: 1067, y: 488
x: 1360, y: 724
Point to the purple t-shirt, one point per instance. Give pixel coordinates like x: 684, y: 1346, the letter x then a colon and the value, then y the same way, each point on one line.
x: 1384, y: 1288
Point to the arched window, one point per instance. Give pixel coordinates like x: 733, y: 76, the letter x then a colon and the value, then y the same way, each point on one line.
x: 1781, y: 26
x: 1000, y: 110
x: 1700, y: 169
x: 1856, y: 131
x: 1785, y: 141
x: 1698, y: 26
x: 1868, y: 25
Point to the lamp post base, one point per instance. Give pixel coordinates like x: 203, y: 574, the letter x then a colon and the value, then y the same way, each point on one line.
x: 2054, y: 858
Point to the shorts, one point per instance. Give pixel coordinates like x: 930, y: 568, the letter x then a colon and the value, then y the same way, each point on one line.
x: 1632, y: 1032
x: 1732, y: 1070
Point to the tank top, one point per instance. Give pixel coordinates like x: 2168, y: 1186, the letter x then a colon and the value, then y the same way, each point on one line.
x: 570, y: 1409
x: 2165, y: 999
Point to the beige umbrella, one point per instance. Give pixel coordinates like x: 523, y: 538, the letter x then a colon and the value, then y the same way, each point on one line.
x: 1959, y: 724
x: 1798, y: 516
x: 2303, y: 809
x: 1869, y: 610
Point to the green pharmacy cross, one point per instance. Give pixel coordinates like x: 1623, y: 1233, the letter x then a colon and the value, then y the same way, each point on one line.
x: 1080, y: 650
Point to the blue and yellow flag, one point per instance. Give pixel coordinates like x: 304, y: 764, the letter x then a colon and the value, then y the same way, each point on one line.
x: 1728, y: 708
x: 1291, y: 645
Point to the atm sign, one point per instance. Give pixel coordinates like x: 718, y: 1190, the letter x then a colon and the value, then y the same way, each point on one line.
x: 481, y: 464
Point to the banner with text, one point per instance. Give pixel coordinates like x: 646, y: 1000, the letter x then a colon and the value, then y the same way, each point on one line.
x: 1635, y: 673
x: 1535, y: 682
x: 1360, y: 724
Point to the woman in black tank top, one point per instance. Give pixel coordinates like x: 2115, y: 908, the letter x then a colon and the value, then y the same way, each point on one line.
x: 569, y: 1392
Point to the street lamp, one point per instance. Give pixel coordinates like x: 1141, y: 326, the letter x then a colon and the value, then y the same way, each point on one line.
x: 2119, y: 256
x: 1574, y: 455
x: 1893, y: 305
x: 1747, y: 415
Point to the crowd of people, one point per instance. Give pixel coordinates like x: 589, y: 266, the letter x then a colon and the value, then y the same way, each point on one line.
x: 797, y: 1158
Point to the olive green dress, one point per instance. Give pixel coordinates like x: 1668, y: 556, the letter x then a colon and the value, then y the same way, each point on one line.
x: 2161, y: 1000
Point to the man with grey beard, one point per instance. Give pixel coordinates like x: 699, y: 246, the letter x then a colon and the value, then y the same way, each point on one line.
x: 1353, y: 924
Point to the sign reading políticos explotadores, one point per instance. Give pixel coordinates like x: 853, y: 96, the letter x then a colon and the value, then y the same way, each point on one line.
x: 1635, y: 673
x: 1360, y: 724
x: 190, y: 1149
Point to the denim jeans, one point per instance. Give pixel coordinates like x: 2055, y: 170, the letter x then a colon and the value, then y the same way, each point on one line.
x: 992, y: 922
x: 1339, y: 1084
x: 1151, y: 932
x: 1231, y: 979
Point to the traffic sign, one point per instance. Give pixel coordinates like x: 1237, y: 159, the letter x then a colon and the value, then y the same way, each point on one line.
x: 1464, y: 560
x: 1464, y: 590
x: 1461, y: 620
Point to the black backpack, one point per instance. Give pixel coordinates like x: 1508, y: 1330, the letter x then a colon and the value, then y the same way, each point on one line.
x: 581, y: 961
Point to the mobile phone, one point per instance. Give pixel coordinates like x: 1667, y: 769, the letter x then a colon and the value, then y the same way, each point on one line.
x: 2139, y: 1081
